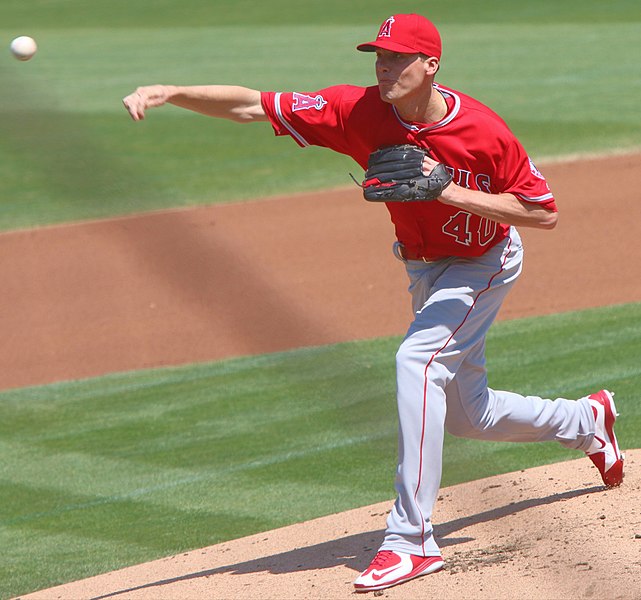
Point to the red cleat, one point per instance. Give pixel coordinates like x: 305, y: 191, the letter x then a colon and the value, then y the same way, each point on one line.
x: 604, y: 452
x: 391, y: 568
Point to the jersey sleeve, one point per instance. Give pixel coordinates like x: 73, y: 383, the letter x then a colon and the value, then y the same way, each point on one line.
x: 311, y: 119
x: 525, y: 181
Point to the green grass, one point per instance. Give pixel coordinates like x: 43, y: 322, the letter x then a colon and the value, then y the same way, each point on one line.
x: 102, y: 473
x: 563, y: 75
x: 197, y: 13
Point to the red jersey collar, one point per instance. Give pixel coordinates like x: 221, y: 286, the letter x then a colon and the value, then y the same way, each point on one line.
x: 451, y: 113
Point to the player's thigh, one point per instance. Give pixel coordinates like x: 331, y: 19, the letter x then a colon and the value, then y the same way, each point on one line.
x: 460, y: 307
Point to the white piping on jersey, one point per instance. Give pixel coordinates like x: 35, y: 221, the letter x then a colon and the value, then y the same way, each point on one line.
x: 542, y: 198
x: 281, y: 118
x: 448, y: 118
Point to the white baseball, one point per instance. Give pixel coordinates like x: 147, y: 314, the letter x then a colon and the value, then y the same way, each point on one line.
x: 24, y: 47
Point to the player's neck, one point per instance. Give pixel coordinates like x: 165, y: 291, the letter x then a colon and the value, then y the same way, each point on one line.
x: 429, y: 109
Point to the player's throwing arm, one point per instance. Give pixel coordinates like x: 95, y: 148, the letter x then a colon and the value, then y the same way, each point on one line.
x: 232, y: 102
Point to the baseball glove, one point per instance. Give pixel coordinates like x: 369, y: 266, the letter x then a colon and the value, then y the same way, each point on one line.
x: 395, y: 174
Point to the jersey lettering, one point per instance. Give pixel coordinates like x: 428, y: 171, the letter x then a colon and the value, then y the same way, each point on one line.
x: 487, y: 231
x: 459, y: 227
x: 464, y: 178
x: 303, y: 102
x: 483, y: 183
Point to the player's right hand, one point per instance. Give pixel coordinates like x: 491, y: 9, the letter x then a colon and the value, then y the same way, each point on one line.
x: 144, y: 98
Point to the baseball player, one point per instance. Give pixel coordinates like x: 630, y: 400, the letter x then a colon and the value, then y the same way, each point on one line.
x: 457, y: 239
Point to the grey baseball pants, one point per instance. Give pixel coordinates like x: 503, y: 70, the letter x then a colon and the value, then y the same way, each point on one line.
x: 442, y: 384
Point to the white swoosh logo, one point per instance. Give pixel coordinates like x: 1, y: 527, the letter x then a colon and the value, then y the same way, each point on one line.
x: 376, y: 575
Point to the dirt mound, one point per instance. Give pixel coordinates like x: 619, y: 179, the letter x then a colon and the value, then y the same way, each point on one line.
x: 546, y: 533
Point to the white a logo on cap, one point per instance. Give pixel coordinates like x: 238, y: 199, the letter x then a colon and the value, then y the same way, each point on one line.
x: 386, y: 28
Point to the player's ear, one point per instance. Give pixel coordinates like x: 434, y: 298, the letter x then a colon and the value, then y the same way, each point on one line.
x: 431, y: 64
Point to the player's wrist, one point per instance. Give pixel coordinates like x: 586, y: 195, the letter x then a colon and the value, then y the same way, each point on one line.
x: 171, y: 91
x: 451, y: 194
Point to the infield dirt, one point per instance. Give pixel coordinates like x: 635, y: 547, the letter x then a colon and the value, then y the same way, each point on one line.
x: 203, y: 284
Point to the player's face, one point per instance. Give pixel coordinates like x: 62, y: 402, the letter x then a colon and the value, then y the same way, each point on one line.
x: 400, y: 76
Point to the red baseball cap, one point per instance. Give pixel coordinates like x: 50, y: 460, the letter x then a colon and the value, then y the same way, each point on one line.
x: 408, y: 34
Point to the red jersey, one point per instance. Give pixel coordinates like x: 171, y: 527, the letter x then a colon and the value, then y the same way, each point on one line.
x: 474, y: 142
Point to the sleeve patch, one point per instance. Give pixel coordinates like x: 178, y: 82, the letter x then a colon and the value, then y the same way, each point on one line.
x: 304, y: 102
x: 281, y: 117
x: 534, y: 170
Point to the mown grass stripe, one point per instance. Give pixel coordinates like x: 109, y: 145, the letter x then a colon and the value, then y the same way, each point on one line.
x: 218, y: 476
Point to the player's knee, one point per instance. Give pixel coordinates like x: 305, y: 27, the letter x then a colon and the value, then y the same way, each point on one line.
x: 457, y: 429
x: 403, y: 355
x: 416, y: 361
x: 463, y: 428
x: 473, y: 419
x: 415, y: 350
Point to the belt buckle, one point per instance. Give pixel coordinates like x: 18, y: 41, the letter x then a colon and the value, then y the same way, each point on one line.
x: 399, y: 251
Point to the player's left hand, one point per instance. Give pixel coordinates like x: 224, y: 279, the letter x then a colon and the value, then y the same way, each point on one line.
x: 404, y: 173
x: 428, y: 166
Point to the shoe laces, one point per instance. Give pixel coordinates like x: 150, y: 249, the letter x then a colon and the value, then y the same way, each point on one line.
x: 381, y: 558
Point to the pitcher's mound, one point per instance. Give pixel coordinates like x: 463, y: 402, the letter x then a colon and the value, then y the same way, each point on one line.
x: 550, y: 532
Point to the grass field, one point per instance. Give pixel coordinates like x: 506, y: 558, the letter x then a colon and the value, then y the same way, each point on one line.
x: 103, y: 473
x: 107, y: 472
